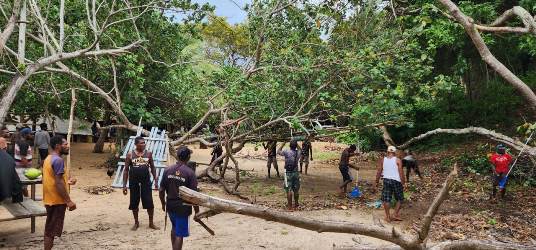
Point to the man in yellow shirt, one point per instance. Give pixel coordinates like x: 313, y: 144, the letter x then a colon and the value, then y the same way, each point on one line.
x: 56, y: 183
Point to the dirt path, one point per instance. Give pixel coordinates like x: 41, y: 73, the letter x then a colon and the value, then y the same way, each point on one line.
x: 103, y: 221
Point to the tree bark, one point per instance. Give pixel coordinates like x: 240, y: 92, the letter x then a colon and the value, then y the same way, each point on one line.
x: 10, y: 26
x: 22, y: 35
x: 99, y: 145
x: 70, y: 129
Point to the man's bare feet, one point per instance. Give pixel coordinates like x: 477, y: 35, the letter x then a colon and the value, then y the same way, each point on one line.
x: 135, y: 227
x: 152, y: 226
x: 396, y: 217
x: 387, y: 219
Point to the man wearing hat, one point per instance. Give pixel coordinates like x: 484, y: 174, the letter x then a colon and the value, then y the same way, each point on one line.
x: 501, y: 164
x: 179, y: 212
x: 393, y: 182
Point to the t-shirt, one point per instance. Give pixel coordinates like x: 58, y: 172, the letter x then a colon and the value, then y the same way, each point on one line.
x: 291, y: 159
x: 53, y: 166
x: 23, y: 150
x: 409, y: 162
x: 501, y: 162
x: 42, y: 139
x: 174, y: 177
x: 345, y: 158
x: 306, y: 148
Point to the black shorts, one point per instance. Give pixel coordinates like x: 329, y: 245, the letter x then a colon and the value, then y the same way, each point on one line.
x: 390, y: 188
x: 345, y: 171
x: 140, y: 190
x: 43, y: 153
x: 55, y: 218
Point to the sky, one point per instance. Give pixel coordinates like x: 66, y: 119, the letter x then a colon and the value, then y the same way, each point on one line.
x: 228, y: 9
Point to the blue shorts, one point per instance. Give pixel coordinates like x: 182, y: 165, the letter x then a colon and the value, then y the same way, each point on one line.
x: 180, y: 224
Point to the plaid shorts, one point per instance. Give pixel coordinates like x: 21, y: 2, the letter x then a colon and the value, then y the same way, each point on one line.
x: 293, y: 182
x: 390, y: 188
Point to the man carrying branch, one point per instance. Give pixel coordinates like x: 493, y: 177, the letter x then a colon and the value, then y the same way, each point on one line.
x: 292, y: 176
x: 174, y: 177
x: 344, y: 167
x: 137, y: 165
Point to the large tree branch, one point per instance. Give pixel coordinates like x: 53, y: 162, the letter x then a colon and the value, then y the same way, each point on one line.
x: 516, y: 144
x: 115, y: 106
x: 488, y: 57
x: 434, y: 207
x: 10, y: 26
x: 222, y: 205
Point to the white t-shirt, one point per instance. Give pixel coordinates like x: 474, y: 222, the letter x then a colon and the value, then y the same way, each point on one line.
x: 390, y: 169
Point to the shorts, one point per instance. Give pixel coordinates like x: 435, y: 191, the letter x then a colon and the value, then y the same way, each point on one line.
x: 140, y: 190
x: 55, y: 218
x: 293, y: 181
x: 43, y: 153
x: 180, y: 224
x: 345, y: 171
x: 304, y: 159
x: 496, y: 178
x: 390, y: 188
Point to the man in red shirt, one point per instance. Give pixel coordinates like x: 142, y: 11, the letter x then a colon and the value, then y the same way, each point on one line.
x: 501, y: 164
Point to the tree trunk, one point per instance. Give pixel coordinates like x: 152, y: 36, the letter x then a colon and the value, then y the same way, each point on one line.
x: 22, y: 34
x: 99, y: 146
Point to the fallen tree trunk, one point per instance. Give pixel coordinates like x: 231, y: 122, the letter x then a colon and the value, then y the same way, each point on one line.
x: 222, y: 205
x: 402, y: 239
x: 515, y: 144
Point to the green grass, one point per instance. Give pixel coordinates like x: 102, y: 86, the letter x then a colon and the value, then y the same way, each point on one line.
x: 324, y: 156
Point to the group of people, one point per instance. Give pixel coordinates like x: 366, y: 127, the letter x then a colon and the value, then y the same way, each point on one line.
x: 139, y: 167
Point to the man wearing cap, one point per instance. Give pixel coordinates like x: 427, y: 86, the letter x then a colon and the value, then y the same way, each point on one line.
x: 393, y: 182
x: 179, y: 212
x: 501, y: 164
x: 138, y: 166
x: 344, y: 167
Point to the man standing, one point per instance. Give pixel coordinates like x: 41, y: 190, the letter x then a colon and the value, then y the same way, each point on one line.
x: 271, y: 146
x: 137, y: 165
x: 56, y: 181
x: 292, y: 180
x: 409, y: 162
x: 217, y: 151
x: 344, y: 167
x: 393, y: 182
x: 42, y: 142
x: 174, y: 177
x: 306, y: 153
x: 501, y: 164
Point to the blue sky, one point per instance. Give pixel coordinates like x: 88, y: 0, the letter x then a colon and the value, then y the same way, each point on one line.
x: 228, y: 9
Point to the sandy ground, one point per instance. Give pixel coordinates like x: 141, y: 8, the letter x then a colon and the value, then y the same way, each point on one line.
x: 103, y: 221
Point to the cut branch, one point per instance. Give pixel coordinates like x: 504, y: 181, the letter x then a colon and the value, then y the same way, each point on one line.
x: 515, y: 144
x: 434, y: 207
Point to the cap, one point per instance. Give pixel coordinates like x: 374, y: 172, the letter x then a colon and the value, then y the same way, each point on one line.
x: 391, y: 149
x: 25, y: 131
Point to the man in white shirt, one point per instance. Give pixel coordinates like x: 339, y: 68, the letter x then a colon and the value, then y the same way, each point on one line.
x: 393, y: 182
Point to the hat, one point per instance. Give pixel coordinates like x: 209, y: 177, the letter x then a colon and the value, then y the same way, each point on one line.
x: 500, y: 146
x: 25, y: 131
x: 391, y: 149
